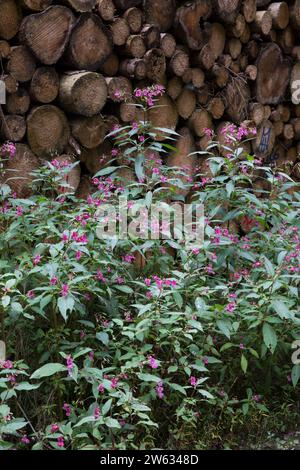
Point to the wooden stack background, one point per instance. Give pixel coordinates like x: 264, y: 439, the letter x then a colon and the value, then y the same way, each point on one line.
x: 220, y: 61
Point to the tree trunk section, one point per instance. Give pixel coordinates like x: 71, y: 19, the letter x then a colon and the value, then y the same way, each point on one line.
x: 82, y: 93
x: 48, y: 131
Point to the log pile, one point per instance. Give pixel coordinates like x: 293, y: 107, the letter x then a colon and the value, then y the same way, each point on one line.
x: 219, y: 60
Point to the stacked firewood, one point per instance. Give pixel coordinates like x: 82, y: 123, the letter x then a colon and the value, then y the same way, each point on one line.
x: 221, y: 61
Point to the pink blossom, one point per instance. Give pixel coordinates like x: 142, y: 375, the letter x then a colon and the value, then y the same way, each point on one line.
x: 193, y: 381
x: 101, y: 388
x: 54, y: 428
x: 53, y: 281
x: 67, y: 409
x: 19, y: 211
x: 114, y: 382
x: 114, y: 152
x: 70, y: 365
x: 97, y: 412
x: 60, y: 441
x: 152, y: 362
x: 78, y: 255
x: 65, y: 290
x: 30, y: 294
x: 25, y: 440
x: 160, y: 389
x: 37, y: 259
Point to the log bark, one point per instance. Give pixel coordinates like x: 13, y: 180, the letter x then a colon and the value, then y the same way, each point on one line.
x: 163, y: 115
x: 111, y: 65
x: 97, y: 158
x: 11, y: 84
x: 88, y: 131
x: 263, y: 22
x: 135, y: 46
x: 179, y: 62
x: 237, y: 96
x: 280, y: 14
x: 151, y: 36
x: 167, y: 44
x: 184, y: 162
x: 273, y: 74
x: 72, y: 177
x: 106, y: 9
x: 82, y: 93
x: 4, y: 49
x: 134, y: 68
x: 44, y: 85
x: 160, y: 14
x: 134, y: 18
x: 199, y: 121
x: 249, y: 10
x: 10, y: 18
x: 186, y: 103
x: 48, y: 131
x: 21, y: 63
x: 36, y: 5
x: 90, y: 43
x: 156, y: 64
x: 47, y: 33
x: 14, y: 128
x: 115, y: 85
x: 81, y: 5
x: 188, y: 18
x: 227, y: 10
x: 120, y: 31
x: 18, y: 170
x: 125, y: 4
x: 19, y: 102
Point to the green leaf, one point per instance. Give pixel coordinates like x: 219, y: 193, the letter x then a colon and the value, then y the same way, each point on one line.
x: 64, y: 304
x: 112, y: 423
x: 149, y: 378
x: 270, y: 337
x: 103, y: 337
x: 48, y: 369
x: 178, y: 388
x: 244, y: 364
x: 281, y: 309
x: 106, y: 407
x: 295, y: 374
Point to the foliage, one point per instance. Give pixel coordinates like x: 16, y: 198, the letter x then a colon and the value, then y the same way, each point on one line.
x: 135, y: 344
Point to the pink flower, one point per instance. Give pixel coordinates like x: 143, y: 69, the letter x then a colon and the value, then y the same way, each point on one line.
x: 8, y: 149
x: 65, y: 290
x: 241, y: 346
x: 256, y: 398
x: 230, y: 307
x: 53, y: 281
x: 60, y: 442
x: 67, y: 409
x: 120, y: 280
x: 19, y: 211
x: 114, y: 152
x: 193, y: 381
x: 78, y: 255
x: 97, y: 412
x: 114, y: 382
x: 160, y: 389
x: 205, y: 361
x: 152, y: 362
x: 30, y: 294
x: 101, y: 388
x: 25, y: 440
x: 147, y: 282
x: 37, y: 259
x: 70, y: 365
x: 54, y: 428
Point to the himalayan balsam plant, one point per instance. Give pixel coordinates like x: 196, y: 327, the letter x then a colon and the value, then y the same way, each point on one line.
x: 139, y: 344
